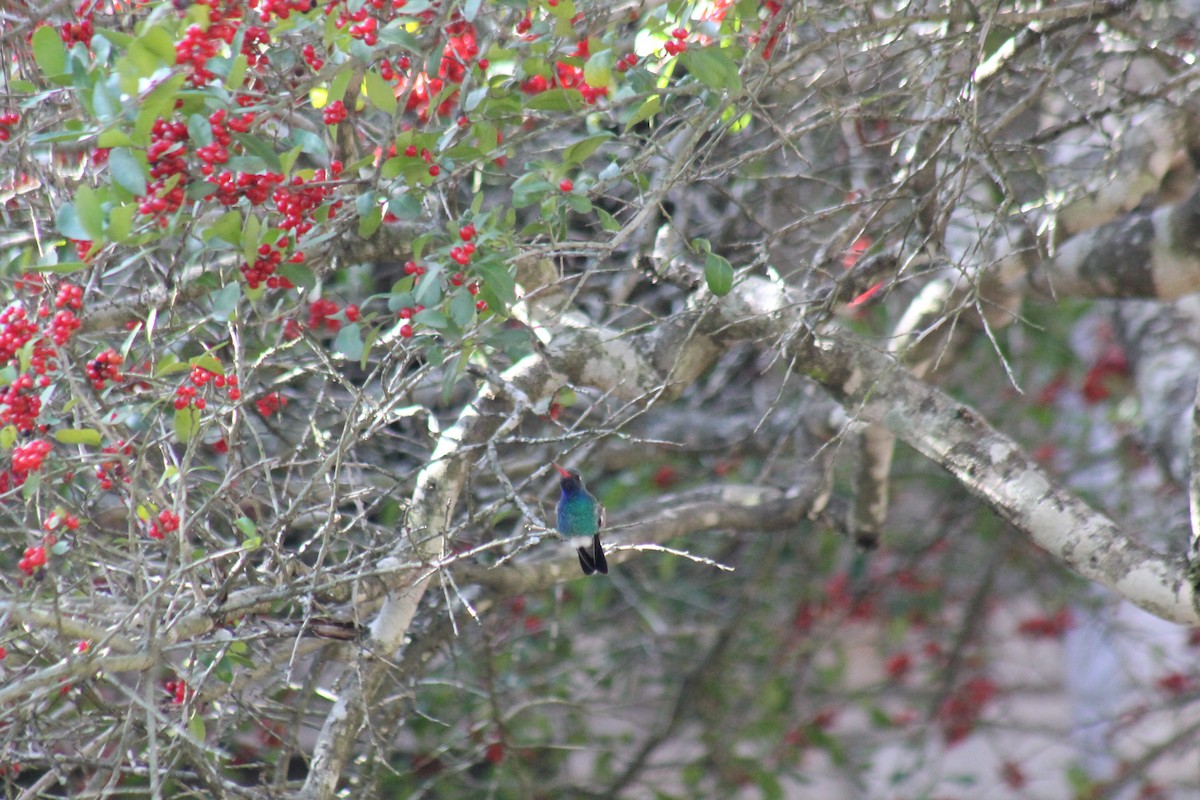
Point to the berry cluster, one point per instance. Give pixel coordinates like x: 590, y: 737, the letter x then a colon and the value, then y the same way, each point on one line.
x: 297, y: 200
x: 255, y: 187
x: 310, y: 57
x: 105, y: 367
x: 571, y: 77
x: 81, y: 30
x: 19, y: 406
x: 16, y: 329
x: 200, y: 377
x: 167, y: 522
x: 677, y: 43
x: 406, y: 330
x: 63, y: 325
x: 29, y: 457
x: 7, y: 120
x: 199, y: 44
x: 334, y: 113
x: 271, y: 403
x: 193, y: 52
x: 32, y: 560
x: 166, y: 157
x: 266, y: 262
x: 279, y: 8
x: 321, y: 314
x: 960, y: 712
x: 61, y: 519
x: 178, y: 689
x: 113, y: 467
x: 460, y: 51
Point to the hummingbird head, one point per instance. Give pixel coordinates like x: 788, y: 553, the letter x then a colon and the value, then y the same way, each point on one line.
x: 571, y: 481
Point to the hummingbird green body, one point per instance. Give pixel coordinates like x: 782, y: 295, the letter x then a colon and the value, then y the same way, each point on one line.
x: 580, y: 517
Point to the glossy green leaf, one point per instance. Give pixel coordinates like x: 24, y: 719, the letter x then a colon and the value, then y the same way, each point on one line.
x: 718, y: 274
x: 579, y: 152
x: 712, y: 67
x: 86, y: 436
x: 187, y: 423
x: 208, y: 362
x: 556, y: 100
x: 651, y: 106
x: 225, y: 302
x: 127, y: 172
x: 227, y: 228
x: 597, y: 70
x: 349, y: 341
x: 380, y: 93
x: 48, y: 51
x: 68, y: 224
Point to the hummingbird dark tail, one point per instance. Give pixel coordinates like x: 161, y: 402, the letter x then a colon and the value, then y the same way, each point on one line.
x: 592, y: 559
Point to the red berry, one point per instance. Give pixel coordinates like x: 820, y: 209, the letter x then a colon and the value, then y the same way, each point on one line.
x: 566, y: 185
x: 406, y: 331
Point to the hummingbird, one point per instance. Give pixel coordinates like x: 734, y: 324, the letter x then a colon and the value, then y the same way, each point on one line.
x: 580, y: 516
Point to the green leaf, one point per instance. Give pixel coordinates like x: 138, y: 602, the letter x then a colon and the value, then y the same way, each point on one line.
x: 380, y: 93
x: 196, y: 729
x: 210, y: 363
x: 528, y: 189
x: 597, y: 70
x: 187, y: 423
x: 368, y: 343
x: 349, y: 341
x: 113, y: 137
x: 106, y: 104
x: 120, y: 221
x: 405, y: 206
x: 607, y: 221
x: 299, y: 274
x: 225, y: 301
x: 246, y: 526
x: 718, y: 274
x: 258, y: 147
x: 48, y: 51
x: 237, y: 72
x: 250, y: 236
x: 713, y: 68
x: 646, y: 110
x: 61, y: 268
x: 369, y: 223
x: 78, y: 436
x: 158, y: 102
x: 126, y: 171
x: 433, y: 319
x: 90, y: 211
x: 462, y: 308
x: 498, y: 279
x: 579, y: 203
x: 556, y: 100
x: 227, y: 228
x: 68, y: 224
x: 8, y: 437
x: 339, y: 84
x: 579, y: 152
x: 158, y: 41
